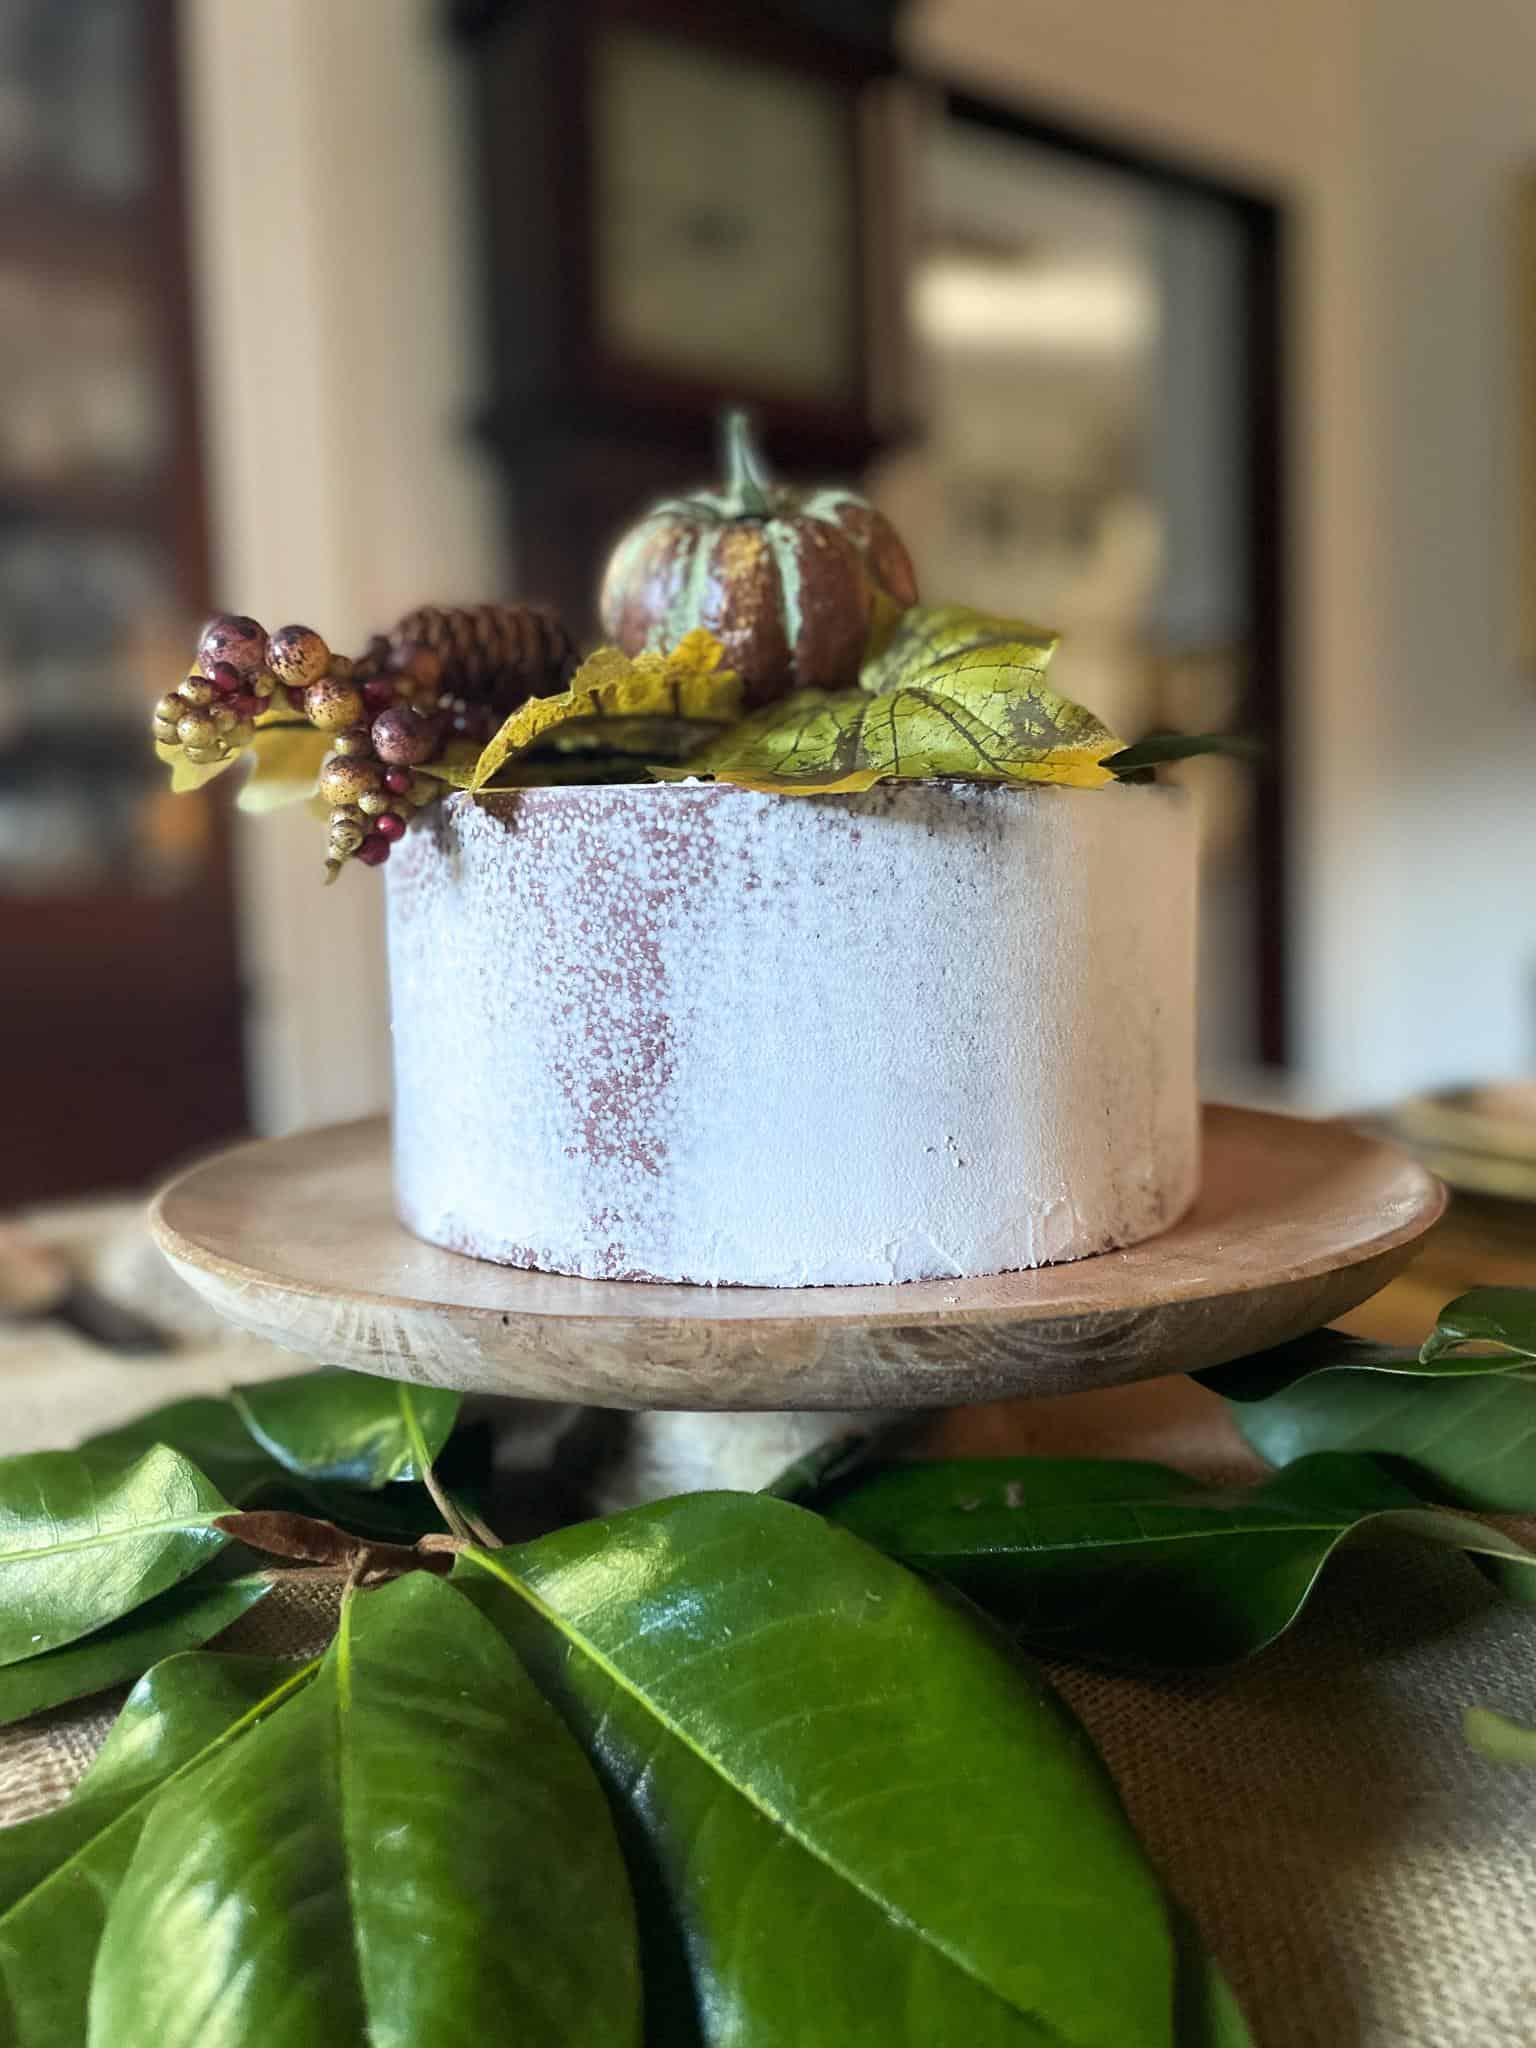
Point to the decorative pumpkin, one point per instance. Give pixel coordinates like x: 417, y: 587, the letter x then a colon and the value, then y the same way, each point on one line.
x: 789, y: 581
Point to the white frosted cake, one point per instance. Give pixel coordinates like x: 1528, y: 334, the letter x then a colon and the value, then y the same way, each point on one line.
x: 689, y: 1032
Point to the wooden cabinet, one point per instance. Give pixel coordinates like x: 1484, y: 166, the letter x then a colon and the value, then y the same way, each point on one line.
x: 119, y: 989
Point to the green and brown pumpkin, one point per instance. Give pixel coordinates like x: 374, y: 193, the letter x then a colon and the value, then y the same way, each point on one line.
x: 789, y: 581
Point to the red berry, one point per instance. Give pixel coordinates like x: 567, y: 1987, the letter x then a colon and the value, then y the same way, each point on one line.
x: 241, y: 642
x: 403, y: 738
x: 247, y: 704
x: 295, y: 696
x: 388, y: 826
x: 225, y: 680
x: 378, y: 693
x: 398, y: 781
x: 374, y: 850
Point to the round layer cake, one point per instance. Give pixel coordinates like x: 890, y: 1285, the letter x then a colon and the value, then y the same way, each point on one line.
x: 689, y: 1032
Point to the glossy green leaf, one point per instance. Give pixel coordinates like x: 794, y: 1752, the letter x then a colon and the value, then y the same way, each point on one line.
x: 413, y: 1852
x: 58, y: 1874
x: 208, y: 1431
x: 213, y: 1434
x: 1207, y: 2014
x: 1469, y: 1439
x: 1135, y: 1564
x: 854, y: 1816
x: 349, y: 1426
x: 1486, y: 1315
x: 81, y: 1544
x: 813, y: 1475
x: 1498, y: 1738
x: 1266, y: 1373
x: 1157, y: 748
x: 183, y: 1618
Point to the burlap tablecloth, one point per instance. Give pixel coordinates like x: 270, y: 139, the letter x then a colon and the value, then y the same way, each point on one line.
x: 1365, y: 1879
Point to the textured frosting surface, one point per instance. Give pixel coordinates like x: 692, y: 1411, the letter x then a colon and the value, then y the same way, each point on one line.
x: 695, y: 1033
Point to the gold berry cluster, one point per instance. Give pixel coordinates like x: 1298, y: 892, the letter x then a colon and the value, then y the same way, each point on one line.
x: 445, y: 675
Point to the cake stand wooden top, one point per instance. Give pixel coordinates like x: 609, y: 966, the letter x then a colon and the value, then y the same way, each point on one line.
x: 295, y: 1239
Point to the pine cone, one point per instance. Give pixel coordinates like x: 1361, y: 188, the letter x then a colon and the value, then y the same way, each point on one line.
x: 491, y: 652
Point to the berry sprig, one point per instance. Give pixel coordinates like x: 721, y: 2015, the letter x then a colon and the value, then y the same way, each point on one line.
x: 444, y: 677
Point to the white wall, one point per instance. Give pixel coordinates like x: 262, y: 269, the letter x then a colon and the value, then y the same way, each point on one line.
x: 1392, y: 127
x: 1451, y: 117
x: 333, y: 238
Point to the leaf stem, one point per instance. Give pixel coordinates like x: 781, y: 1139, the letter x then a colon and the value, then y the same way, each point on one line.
x: 745, y: 478
x: 453, y: 1521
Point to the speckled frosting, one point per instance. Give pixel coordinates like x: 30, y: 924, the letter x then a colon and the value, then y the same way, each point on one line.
x: 690, y: 1032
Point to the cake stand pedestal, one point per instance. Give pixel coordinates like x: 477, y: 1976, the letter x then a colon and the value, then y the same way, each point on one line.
x: 295, y: 1239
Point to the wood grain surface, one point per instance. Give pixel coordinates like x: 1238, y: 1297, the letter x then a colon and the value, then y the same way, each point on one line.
x: 295, y: 1239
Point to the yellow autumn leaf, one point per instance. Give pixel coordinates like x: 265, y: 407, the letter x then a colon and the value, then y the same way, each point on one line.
x: 285, y: 766
x: 928, y: 639
x: 455, y: 766
x: 614, y: 701
x: 185, y: 774
x: 953, y: 692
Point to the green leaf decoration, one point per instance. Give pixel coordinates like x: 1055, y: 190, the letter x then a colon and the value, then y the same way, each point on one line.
x: 1133, y: 1563
x: 81, y: 1545
x: 213, y: 1434
x: 1161, y: 747
x: 1462, y: 1437
x: 182, y: 1619
x: 1488, y: 1315
x: 955, y: 692
x: 1206, y: 2013
x: 349, y: 1426
x: 815, y: 1473
x: 208, y: 1431
x: 413, y: 1851
x: 1266, y: 1373
x: 1498, y: 1738
x: 860, y: 1817
x: 653, y: 702
x: 59, y: 1874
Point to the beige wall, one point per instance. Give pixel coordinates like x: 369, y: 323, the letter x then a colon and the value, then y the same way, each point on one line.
x: 1392, y: 128
x: 333, y: 224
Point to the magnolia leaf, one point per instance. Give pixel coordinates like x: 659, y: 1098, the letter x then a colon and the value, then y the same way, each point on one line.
x: 1499, y: 1739
x: 81, y: 1544
x: 611, y: 695
x: 1265, y: 1373
x: 955, y: 692
x: 413, y: 1851
x: 1487, y: 1315
x: 59, y: 1874
x: 856, y: 1815
x: 1183, y: 746
x: 213, y: 1434
x: 182, y: 1619
x: 1134, y: 1563
x: 1457, y: 1436
x: 206, y: 1430
x: 349, y: 1426
x: 285, y: 766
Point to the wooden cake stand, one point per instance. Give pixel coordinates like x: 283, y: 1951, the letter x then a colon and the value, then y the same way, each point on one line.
x: 295, y: 1239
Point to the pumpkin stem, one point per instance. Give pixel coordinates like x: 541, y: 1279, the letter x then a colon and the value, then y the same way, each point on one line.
x: 745, y: 478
